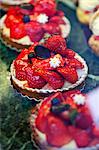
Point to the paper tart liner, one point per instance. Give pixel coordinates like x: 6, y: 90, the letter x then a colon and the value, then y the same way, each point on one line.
x: 65, y: 30
x: 46, y: 91
x: 38, y: 137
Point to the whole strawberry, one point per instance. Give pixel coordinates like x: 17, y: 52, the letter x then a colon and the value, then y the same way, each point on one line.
x: 56, y: 44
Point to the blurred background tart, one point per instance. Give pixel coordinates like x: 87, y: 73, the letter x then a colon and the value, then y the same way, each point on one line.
x: 85, y: 10
x: 44, y: 69
x: 29, y: 23
x: 6, y: 4
x: 63, y: 122
x: 94, y: 39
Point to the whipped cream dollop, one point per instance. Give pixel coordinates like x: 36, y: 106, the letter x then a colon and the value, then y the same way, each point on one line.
x: 88, y: 5
x: 95, y: 26
x: 55, y: 61
x: 79, y: 99
x: 42, y: 18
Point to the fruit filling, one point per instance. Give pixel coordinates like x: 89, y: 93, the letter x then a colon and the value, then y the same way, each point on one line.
x: 64, y: 117
x: 51, y: 63
x: 34, y: 20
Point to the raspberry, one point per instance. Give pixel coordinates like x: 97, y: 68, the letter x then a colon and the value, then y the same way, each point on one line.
x: 57, y: 20
x: 34, y: 31
x: 52, y: 28
x: 45, y: 6
x: 83, y: 121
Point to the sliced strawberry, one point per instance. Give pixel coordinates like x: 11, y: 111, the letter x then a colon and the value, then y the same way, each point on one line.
x: 70, y: 93
x: 69, y: 53
x: 82, y: 139
x: 57, y: 19
x: 41, y: 122
x: 56, y: 132
x: 70, y: 74
x: 94, y: 142
x: 45, y: 6
x: 23, y: 55
x: 34, y: 31
x: 20, y: 75
x: 51, y: 77
x: 31, y: 48
x: 56, y: 44
x: 45, y: 64
x: 74, y: 63
x: 34, y: 80
x: 52, y: 28
x: 17, y: 31
x: 13, y: 20
x: 96, y: 132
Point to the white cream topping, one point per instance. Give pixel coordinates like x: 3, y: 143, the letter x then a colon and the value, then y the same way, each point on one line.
x: 14, y: 2
x: 42, y: 18
x: 79, y: 99
x: 95, y: 26
x: 88, y: 4
x: 55, y: 61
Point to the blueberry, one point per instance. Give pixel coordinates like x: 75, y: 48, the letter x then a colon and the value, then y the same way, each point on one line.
x: 55, y: 101
x: 42, y: 52
x: 26, y: 19
x: 60, y: 108
x: 27, y: 6
x: 30, y: 56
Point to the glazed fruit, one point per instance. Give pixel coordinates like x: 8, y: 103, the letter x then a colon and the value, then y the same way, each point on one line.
x: 34, y: 21
x: 61, y: 123
x: 47, y: 65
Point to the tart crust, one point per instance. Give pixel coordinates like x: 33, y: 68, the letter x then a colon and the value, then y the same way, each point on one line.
x: 65, y: 30
x: 94, y: 44
x: 44, y: 92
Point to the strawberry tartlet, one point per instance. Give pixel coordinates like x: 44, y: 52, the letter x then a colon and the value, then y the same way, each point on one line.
x: 47, y: 68
x: 63, y: 122
x: 5, y: 4
x: 22, y: 26
x: 94, y: 39
x: 85, y: 10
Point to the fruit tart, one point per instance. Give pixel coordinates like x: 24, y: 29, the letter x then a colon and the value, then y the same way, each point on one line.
x: 22, y: 26
x: 94, y: 39
x: 63, y: 122
x: 85, y: 10
x: 47, y: 68
x: 5, y: 4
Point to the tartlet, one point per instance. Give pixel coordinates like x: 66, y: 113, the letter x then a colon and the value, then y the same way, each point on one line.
x: 29, y: 23
x: 44, y: 69
x: 63, y: 122
x: 86, y: 9
x: 94, y: 39
x: 6, y: 4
